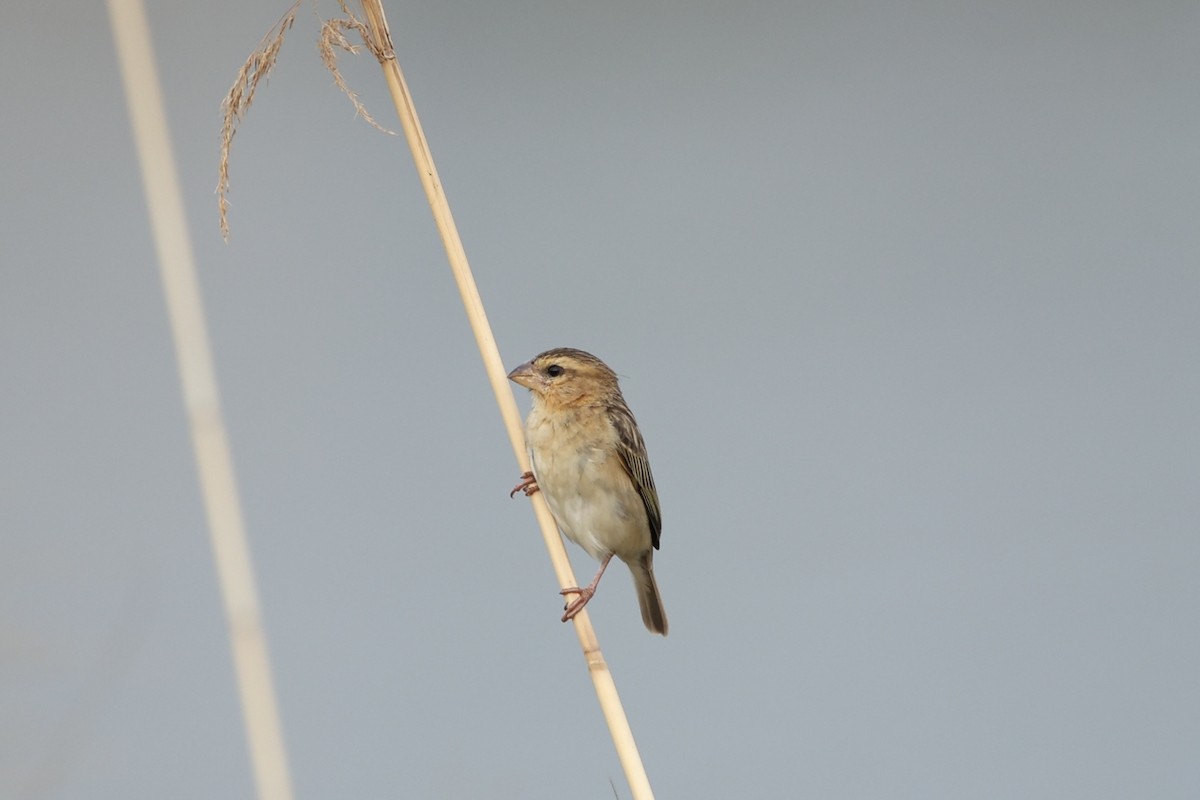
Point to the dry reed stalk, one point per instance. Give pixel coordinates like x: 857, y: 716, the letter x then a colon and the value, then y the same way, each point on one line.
x: 172, y: 241
x: 378, y: 39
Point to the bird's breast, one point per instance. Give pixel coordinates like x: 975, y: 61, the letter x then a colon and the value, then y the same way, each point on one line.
x: 590, y: 495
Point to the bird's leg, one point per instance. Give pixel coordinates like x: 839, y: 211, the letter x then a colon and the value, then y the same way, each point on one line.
x: 528, y: 485
x: 585, y: 594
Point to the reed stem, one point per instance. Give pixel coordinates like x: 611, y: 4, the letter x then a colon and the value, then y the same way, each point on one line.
x: 380, y: 43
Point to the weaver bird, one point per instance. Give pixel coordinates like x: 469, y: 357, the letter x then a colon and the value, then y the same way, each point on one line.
x: 589, y: 462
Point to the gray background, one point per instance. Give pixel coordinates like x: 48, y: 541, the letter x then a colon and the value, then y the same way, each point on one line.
x: 904, y: 297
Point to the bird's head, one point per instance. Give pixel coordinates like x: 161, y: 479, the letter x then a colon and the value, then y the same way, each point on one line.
x: 565, y: 376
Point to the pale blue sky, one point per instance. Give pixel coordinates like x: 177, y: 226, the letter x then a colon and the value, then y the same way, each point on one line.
x: 904, y: 298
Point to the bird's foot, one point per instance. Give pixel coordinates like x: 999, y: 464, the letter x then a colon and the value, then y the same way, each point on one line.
x: 576, y: 605
x: 528, y: 485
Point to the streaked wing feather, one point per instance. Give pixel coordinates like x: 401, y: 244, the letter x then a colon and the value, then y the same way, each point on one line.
x: 632, y: 451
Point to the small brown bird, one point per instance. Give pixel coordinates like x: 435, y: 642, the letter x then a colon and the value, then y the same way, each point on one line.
x: 590, y: 464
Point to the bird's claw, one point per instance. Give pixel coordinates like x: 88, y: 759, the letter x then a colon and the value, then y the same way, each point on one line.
x: 576, y: 605
x: 528, y: 485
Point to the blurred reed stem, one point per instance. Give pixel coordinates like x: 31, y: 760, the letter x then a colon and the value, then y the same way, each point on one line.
x: 160, y: 182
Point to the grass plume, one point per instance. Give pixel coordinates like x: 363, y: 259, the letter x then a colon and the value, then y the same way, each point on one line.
x: 259, y: 65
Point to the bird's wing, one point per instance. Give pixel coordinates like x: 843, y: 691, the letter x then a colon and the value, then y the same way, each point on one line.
x: 632, y: 451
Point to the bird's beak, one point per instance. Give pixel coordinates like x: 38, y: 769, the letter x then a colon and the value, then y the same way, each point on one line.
x: 524, y: 375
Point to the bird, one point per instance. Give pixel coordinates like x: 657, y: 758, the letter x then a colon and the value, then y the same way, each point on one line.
x: 589, y: 462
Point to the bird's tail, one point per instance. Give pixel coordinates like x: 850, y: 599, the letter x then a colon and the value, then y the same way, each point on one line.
x: 653, y: 613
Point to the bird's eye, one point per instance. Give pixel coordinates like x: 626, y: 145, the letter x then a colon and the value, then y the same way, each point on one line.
x: 554, y: 370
